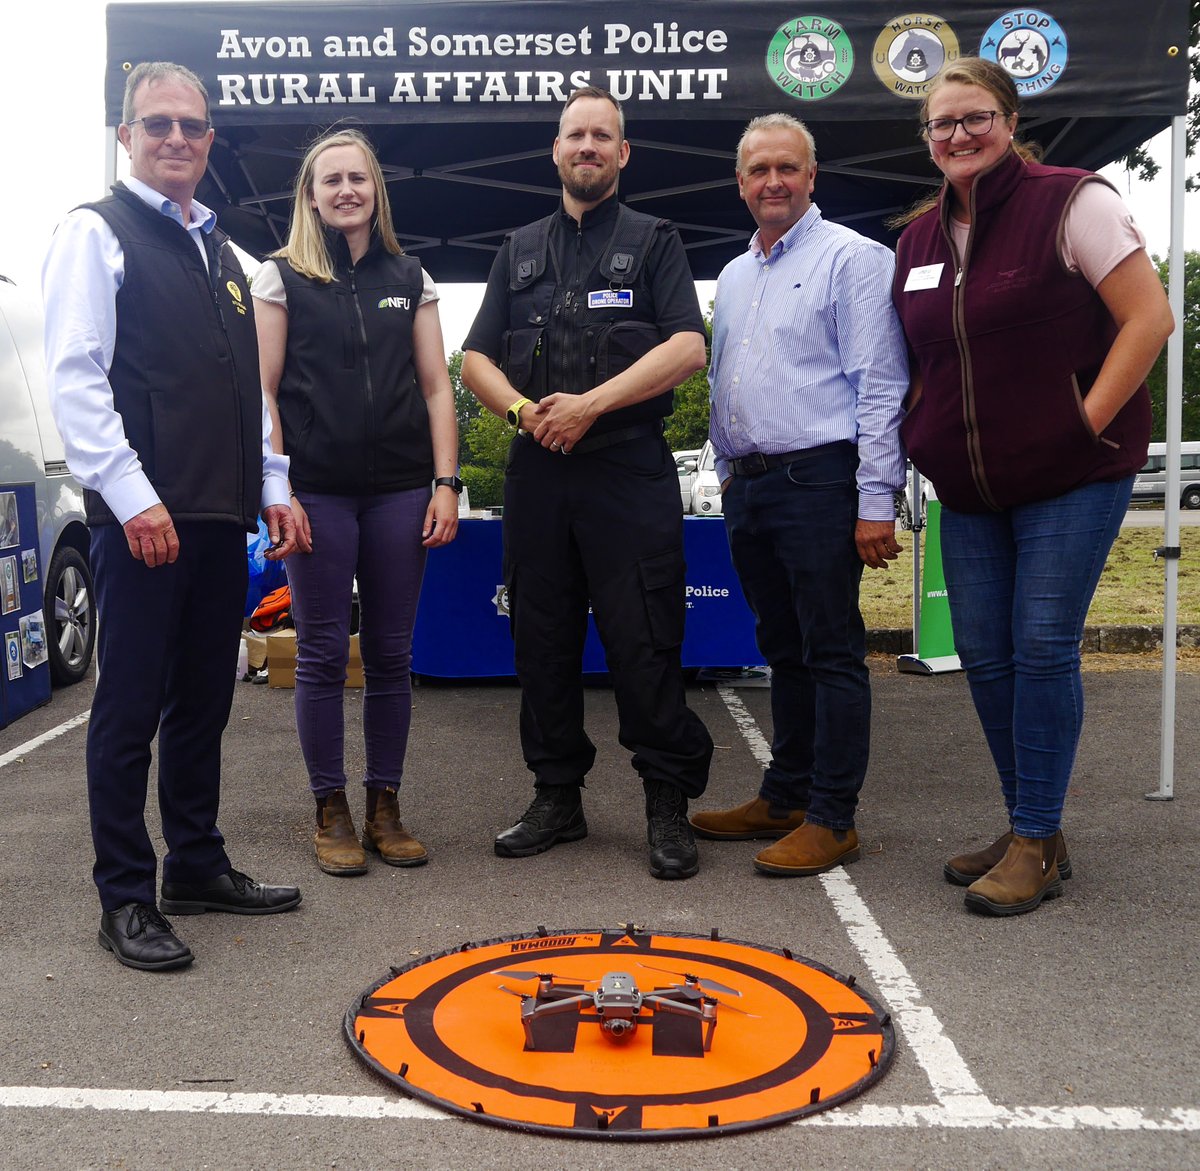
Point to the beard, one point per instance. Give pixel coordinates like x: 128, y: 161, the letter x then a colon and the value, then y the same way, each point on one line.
x: 589, y: 185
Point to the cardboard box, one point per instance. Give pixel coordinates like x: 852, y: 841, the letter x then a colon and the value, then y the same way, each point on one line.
x: 256, y: 649
x: 281, y: 660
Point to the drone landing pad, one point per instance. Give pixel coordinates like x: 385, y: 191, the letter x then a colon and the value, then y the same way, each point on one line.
x: 791, y: 1037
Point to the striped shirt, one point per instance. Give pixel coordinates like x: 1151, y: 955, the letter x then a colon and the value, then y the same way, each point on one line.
x: 807, y: 349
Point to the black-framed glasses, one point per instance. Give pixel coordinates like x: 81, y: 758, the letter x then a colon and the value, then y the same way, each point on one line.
x: 939, y: 129
x: 159, y: 126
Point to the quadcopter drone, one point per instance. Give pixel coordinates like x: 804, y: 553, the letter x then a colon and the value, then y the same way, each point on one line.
x: 617, y: 1001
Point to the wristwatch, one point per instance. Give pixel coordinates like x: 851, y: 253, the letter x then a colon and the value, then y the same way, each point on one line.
x: 452, y: 482
x: 513, y: 414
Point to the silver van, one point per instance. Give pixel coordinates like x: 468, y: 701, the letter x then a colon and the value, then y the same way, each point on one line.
x: 32, y: 453
x: 1151, y: 482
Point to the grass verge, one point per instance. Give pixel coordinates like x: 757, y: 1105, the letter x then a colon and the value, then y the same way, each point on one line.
x: 1130, y: 591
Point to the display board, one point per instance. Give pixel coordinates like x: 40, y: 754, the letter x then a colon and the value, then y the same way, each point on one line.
x: 25, y: 679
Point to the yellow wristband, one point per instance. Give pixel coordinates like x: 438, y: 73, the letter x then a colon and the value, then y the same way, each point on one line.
x: 513, y: 414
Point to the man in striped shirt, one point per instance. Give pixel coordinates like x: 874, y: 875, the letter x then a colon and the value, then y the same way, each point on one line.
x: 808, y: 376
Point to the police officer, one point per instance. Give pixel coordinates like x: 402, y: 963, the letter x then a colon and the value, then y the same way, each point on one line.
x: 589, y: 321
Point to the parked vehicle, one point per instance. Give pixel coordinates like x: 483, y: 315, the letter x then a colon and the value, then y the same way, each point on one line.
x: 685, y: 464
x: 32, y: 453
x: 1151, y: 482
x: 706, y: 491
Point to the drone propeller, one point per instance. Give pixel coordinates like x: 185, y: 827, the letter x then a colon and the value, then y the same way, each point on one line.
x: 530, y: 974
x: 513, y: 992
x: 692, y: 982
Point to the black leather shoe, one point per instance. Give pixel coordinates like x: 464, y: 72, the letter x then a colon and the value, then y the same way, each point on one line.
x: 673, y: 851
x: 234, y: 892
x: 556, y: 815
x: 141, y: 938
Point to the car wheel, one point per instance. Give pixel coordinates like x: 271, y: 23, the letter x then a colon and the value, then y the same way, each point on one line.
x: 1191, y: 497
x: 70, y: 615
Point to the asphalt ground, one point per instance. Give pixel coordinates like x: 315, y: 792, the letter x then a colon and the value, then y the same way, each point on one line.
x: 1067, y: 1038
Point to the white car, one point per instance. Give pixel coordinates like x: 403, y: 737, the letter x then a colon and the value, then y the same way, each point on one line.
x: 685, y: 464
x: 706, y: 491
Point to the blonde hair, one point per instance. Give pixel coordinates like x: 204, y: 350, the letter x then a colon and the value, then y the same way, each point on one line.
x: 986, y: 75
x: 306, y: 249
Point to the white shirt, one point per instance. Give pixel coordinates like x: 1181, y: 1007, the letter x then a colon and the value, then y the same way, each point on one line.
x: 83, y: 271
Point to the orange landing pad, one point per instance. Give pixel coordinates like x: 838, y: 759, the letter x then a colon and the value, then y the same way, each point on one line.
x: 622, y: 1034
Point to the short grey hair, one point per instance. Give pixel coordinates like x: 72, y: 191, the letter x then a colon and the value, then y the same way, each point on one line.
x: 777, y: 122
x: 152, y: 71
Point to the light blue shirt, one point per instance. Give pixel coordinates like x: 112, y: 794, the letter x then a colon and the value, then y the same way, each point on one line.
x: 806, y: 350
x: 82, y: 273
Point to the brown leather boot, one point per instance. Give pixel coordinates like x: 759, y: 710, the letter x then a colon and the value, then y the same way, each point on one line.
x: 384, y: 833
x: 1019, y: 882
x: 811, y: 849
x: 756, y: 819
x: 964, y: 869
x: 338, y: 851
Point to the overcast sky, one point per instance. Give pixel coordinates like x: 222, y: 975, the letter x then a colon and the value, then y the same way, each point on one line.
x: 51, y: 90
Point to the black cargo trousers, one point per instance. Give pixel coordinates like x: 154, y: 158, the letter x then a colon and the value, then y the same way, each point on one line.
x: 603, y: 528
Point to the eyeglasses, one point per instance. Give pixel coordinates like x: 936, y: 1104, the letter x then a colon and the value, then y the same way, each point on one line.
x: 939, y: 129
x: 159, y: 126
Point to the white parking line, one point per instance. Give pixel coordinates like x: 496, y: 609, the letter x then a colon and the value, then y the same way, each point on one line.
x: 1123, y: 1118
x: 205, y: 1102
x: 29, y: 745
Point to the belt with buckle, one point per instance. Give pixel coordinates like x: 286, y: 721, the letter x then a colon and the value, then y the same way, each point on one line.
x: 756, y: 463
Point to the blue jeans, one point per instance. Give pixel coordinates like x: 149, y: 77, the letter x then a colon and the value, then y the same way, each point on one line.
x: 1020, y: 583
x: 791, y: 538
x: 376, y: 539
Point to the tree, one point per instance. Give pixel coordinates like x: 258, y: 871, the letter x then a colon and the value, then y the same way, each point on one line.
x: 1138, y: 160
x: 1157, y: 380
x: 466, y: 405
x: 687, y: 428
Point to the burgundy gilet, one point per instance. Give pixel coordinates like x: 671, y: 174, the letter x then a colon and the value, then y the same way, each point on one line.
x: 1008, y: 351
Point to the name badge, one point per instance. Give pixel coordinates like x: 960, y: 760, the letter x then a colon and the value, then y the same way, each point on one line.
x: 611, y: 299
x: 926, y: 276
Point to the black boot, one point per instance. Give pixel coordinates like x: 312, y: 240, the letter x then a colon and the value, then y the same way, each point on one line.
x: 555, y: 815
x: 672, y: 844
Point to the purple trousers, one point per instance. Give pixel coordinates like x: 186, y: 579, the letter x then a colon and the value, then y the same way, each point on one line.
x: 376, y: 539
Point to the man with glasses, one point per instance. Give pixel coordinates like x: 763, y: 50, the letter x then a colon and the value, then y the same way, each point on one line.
x: 808, y: 375
x: 152, y: 364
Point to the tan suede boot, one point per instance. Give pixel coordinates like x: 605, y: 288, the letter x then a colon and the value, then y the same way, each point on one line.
x: 338, y: 851
x: 811, y: 849
x: 1019, y: 882
x: 384, y: 833
x: 756, y: 819
x: 964, y: 869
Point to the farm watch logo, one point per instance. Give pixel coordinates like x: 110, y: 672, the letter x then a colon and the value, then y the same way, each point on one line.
x: 810, y: 58
x: 1030, y: 45
x: 911, y: 51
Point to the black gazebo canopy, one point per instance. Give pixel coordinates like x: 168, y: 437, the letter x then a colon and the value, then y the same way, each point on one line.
x: 461, y: 98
